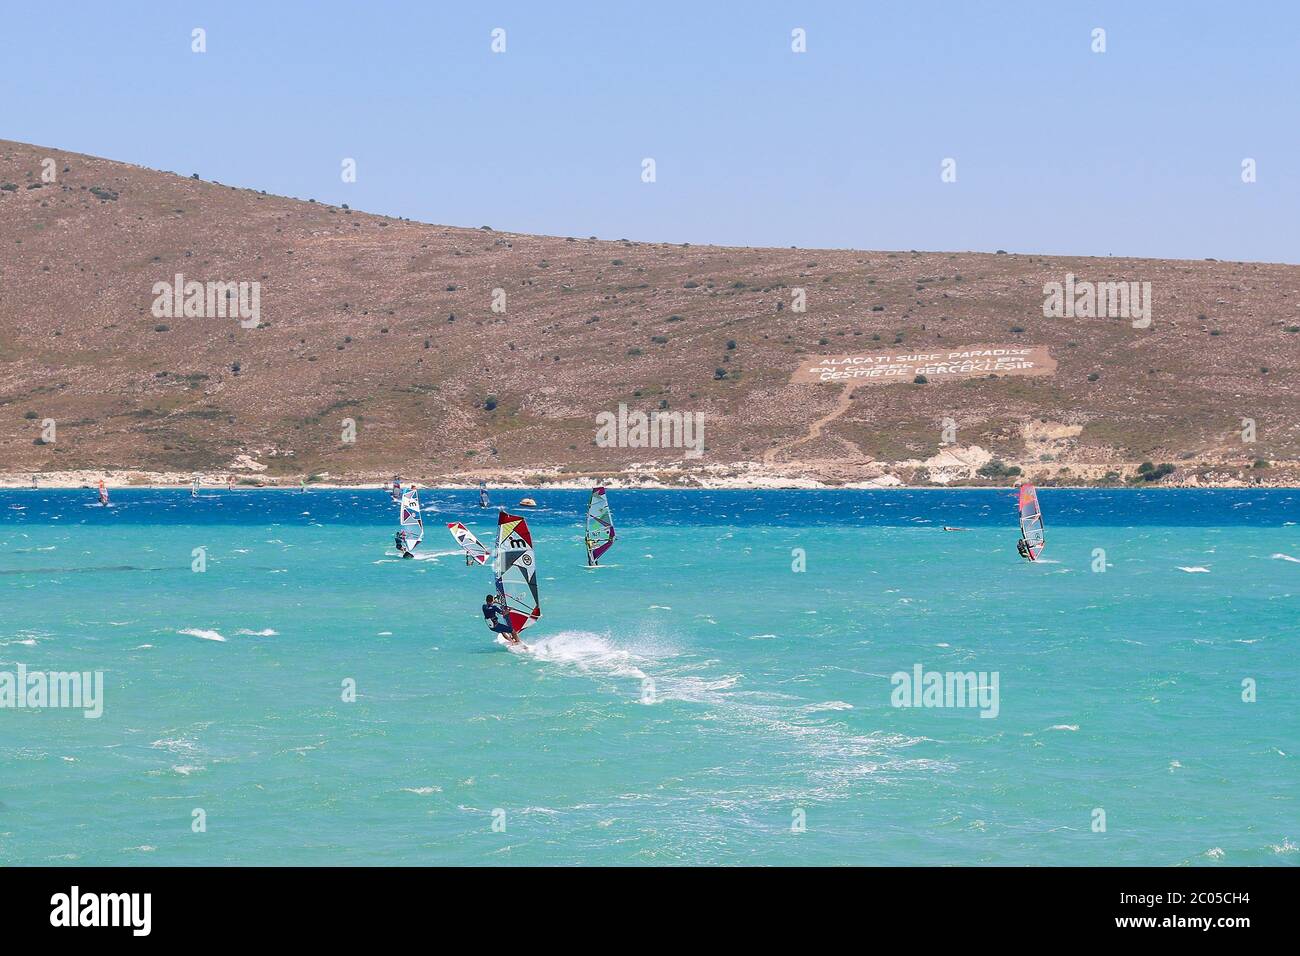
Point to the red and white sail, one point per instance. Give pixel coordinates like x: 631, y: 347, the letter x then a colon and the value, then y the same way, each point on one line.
x: 516, y: 571
x: 473, y: 547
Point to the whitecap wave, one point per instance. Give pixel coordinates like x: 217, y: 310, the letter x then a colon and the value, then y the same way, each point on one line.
x: 207, y: 635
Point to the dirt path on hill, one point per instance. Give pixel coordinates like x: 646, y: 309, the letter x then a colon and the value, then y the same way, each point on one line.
x: 816, y: 428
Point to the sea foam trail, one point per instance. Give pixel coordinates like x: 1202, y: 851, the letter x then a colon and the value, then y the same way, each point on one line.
x: 831, y: 754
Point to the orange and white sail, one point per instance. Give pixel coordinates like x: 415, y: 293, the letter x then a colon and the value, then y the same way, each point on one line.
x: 1031, y: 521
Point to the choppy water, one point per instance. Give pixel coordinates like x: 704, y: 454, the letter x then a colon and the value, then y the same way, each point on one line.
x: 686, y: 703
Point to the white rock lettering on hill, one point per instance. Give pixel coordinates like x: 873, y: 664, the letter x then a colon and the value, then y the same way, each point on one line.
x: 966, y: 361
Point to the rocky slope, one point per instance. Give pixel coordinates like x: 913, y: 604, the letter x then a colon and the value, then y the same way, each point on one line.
x: 390, y: 324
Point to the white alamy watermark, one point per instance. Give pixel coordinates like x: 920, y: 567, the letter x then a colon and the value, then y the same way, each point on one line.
x: 36, y: 690
x: 192, y: 299
x: 657, y: 429
x: 922, y: 688
x: 1091, y: 300
x: 75, y: 908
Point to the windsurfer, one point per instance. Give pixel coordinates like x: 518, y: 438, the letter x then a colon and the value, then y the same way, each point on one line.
x: 400, y: 540
x: 1023, y: 548
x: 492, y: 611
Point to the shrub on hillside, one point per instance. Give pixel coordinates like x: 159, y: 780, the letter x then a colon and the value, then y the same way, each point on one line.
x: 998, y: 469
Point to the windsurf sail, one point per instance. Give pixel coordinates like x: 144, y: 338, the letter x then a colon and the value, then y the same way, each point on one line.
x: 395, y: 489
x: 482, y: 494
x: 103, y: 493
x: 516, y: 571
x: 600, y: 525
x: 411, y: 521
x: 474, y: 548
x: 1031, y: 521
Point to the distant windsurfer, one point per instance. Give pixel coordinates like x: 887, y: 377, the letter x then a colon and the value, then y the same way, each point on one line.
x: 482, y: 494
x: 492, y: 611
x: 1032, y: 537
x: 599, y: 536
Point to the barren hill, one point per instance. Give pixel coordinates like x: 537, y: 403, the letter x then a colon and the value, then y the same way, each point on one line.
x: 391, y: 324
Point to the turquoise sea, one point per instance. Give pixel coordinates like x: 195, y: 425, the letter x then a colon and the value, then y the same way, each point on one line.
x: 697, y: 700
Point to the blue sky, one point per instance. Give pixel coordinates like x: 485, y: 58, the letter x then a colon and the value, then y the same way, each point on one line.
x: 1059, y: 150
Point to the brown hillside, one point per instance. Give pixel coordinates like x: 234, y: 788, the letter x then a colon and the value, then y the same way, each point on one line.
x: 389, y: 323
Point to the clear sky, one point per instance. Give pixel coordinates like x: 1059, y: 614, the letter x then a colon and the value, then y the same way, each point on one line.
x: 1135, y: 151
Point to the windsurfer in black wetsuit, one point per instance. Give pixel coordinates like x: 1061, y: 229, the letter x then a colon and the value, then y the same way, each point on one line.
x: 400, y: 540
x: 491, y: 611
x: 1023, y: 547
